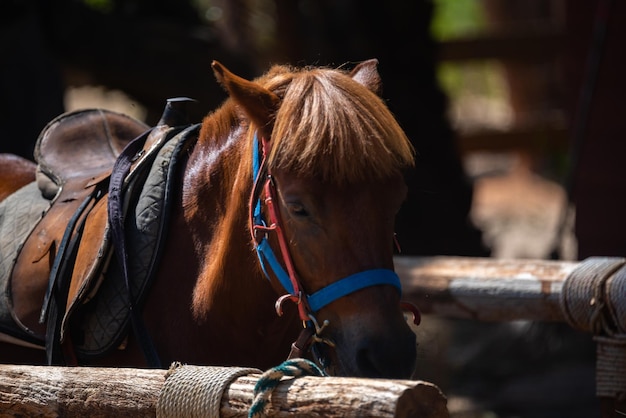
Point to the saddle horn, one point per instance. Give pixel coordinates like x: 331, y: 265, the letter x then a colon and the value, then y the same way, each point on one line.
x: 175, y: 112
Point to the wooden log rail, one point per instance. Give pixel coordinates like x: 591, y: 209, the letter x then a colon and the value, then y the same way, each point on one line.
x: 485, y: 289
x: 49, y: 391
x: 590, y: 295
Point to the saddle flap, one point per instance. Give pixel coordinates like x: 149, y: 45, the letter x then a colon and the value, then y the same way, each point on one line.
x: 91, y: 258
x: 82, y: 144
x: 75, y: 153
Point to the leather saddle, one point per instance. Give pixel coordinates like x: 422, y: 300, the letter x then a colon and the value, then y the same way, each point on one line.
x: 61, y: 288
x: 75, y: 154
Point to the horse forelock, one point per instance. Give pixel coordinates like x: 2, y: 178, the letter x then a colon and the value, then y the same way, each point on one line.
x: 330, y: 126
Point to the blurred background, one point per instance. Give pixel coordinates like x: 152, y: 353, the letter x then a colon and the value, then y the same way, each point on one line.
x: 514, y: 107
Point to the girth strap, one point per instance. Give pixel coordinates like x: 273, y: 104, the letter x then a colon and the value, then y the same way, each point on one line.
x: 116, y: 211
x: 121, y: 169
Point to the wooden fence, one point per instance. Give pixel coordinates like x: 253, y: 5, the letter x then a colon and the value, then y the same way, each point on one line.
x: 589, y: 295
x: 48, y: 391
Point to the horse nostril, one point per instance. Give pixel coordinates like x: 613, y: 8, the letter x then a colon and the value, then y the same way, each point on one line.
x: 366, y: 365
x: 376, y: 361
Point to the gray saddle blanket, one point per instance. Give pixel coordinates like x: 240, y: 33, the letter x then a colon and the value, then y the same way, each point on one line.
x: 102, y: 323
x: 19, y: 213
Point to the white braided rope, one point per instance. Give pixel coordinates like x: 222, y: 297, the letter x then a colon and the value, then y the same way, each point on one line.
x: 196, y: 391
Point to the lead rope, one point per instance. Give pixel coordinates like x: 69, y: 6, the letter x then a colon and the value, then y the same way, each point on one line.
x: 270, y: 379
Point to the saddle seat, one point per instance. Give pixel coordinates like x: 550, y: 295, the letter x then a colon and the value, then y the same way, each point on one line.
x: 75, y: 153
x: 81, y: 145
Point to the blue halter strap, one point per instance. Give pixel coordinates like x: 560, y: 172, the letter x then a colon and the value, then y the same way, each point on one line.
x: 328, y: 294
x: 351, y: 284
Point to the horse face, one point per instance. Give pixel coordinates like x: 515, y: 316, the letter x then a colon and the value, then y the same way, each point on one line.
x: 334, y: 232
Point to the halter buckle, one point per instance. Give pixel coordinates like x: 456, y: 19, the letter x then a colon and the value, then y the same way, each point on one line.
x: 297, y: 299
x: 409, y: 307
x: 316, y: 337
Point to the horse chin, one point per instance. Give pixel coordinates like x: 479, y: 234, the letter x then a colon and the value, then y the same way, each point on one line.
x: 326, y: 359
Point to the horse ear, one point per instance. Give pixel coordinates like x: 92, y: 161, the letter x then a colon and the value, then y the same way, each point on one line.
x: 366, y: 73
x: 257, y: 102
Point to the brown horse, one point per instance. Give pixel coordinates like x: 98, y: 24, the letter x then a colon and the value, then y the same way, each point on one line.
x: 15, y: 172
x: 305, y: 166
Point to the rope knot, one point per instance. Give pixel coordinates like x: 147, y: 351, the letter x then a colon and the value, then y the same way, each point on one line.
x: 586, y: 297
x: 269, y: 380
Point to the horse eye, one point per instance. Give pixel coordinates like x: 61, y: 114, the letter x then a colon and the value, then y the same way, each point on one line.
x: 298, y: 210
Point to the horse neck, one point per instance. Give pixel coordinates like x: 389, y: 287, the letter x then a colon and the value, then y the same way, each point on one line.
x: 217, y: 186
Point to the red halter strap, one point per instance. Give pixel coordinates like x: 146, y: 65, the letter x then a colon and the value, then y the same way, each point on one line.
x: 269, y: 189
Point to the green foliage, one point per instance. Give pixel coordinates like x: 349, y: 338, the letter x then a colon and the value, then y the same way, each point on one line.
x: 454, y: 18
x: 102, y: 6
x: 482, y: 78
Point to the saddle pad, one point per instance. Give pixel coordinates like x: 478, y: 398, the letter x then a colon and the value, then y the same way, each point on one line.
x: 103, y: 320
x: 19, y: 214
x: 95, y: 246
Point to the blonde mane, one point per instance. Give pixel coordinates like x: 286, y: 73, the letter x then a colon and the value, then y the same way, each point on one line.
x: 333, y: 127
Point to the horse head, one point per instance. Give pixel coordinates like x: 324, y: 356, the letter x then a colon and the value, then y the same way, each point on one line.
x: 328, y: 172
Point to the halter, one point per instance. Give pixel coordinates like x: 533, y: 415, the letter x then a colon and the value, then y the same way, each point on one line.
x: 307, y: 305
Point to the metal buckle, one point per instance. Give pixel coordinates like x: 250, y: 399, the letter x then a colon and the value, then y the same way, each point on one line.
x: 318, y: 331
x: 279, y: 302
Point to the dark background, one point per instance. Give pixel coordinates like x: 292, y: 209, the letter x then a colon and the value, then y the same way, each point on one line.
x: 153, y: 50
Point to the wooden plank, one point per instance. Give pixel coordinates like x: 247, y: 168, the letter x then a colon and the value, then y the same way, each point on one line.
x: 484, y: 289
x: 47, y: 391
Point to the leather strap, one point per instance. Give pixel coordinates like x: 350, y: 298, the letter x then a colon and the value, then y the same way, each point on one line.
x: 61, y: 254
x: 300, y: 347
x: 56, y: 294
x: 121, y: 168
